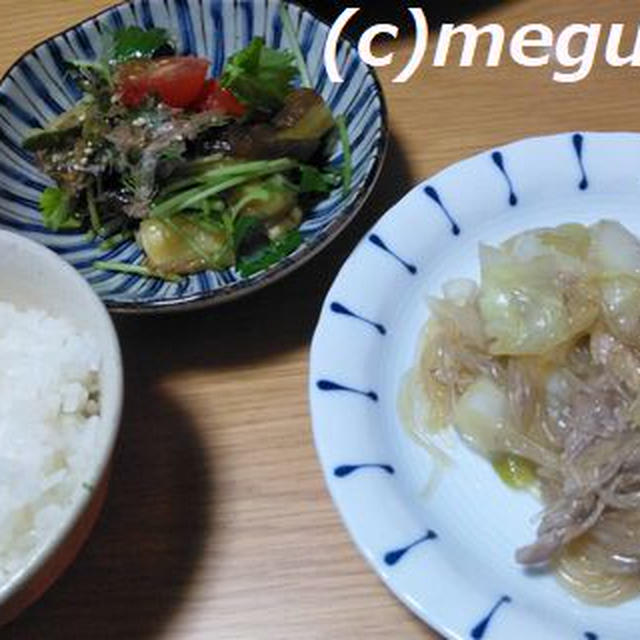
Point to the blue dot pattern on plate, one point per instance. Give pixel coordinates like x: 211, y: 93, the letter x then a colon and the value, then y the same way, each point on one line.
x: 349, y: 469
x: 377, y: 241
x: 478, y: 632
x: 578, y: 145
x: 340, y: 309
x: 38, y: 87
x: 498, y: 160
x: 392, y: 558
x: 329, y: 386
x: 435, y: 196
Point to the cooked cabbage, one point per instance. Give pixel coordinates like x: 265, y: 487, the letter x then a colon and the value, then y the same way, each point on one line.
x: 538, y: 368
x: 536, y: 291
x: 615, y: 255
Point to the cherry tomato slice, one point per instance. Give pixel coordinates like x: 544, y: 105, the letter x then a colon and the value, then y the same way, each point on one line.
x: 214, y: 98
x: 176, y: 81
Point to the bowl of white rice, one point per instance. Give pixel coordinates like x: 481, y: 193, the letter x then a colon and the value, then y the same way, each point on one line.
x: 60, y: 405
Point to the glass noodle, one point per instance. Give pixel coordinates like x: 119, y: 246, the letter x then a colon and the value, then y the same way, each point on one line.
x: 538, y: 368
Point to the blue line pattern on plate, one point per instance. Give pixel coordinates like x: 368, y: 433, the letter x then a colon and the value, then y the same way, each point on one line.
x: 38, y: 87
x: 377, y: 241
x: 329, y: 386
x: 218, y: 56
x: 349, y: 469
x: 340, y: 309
x: 578, y: 145
x: 186, y: 28
x: 393, y: 557
x: 147, y: 16
x: 498, y: 160
x: 479, y: 631
x: 61, y: 71
x: 435, y: 196
x: 116, y: 20
x: 20, y: 112
x: 589, y: 635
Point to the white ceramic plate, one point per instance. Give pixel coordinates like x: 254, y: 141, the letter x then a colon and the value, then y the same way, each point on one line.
x: 449, y: 555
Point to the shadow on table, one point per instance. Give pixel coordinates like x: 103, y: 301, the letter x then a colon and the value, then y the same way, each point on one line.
x: 379, y: 11
x: 270, y: 322
x: 138, y: 565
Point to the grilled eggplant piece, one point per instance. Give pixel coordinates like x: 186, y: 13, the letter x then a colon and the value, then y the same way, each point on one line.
x: 184, y: 245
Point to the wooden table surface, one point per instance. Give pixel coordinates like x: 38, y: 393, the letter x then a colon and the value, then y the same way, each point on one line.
x: 218, y: 524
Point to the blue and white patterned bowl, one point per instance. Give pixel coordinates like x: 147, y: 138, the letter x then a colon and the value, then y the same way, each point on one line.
x: 37, y: 88
x: 448, y: 552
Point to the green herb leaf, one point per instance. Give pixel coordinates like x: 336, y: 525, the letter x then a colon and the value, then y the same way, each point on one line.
x: 313, y: 180
x: 270, y: 255
x: 94, y: 79
x: 55, y: 205
x: 133, y: 269
x: 48, y: 139
x: 347, y: 163
x: 87, y: 69
x: 243, y: 228
x: 295, y: 46
x: 213, y: 182
x: 173, y: 152
x: 259, y: 76
x: 94, y: 214
x: 134, y: 42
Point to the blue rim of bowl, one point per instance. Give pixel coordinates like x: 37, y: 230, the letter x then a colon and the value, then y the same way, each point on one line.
x: 287, y: 265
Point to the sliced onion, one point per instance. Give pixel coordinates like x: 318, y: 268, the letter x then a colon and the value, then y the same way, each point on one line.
x: 481, y: 415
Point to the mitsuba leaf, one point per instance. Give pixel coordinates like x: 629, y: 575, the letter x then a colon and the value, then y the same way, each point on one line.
x: 270, y: 255
x: 313, y: 180
x: 134, y: 42
x: 259, y: 76
x: 243, y: 228
x: 57, y: 213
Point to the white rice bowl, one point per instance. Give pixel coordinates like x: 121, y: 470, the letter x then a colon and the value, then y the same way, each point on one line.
x: 49, y: 428
x: 61, y: 396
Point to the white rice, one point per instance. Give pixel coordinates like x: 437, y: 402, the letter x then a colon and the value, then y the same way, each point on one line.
x: 49, y: 405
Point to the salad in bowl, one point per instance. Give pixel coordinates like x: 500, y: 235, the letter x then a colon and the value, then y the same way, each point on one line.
x: 203, y: 173
x: 180, y: 155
